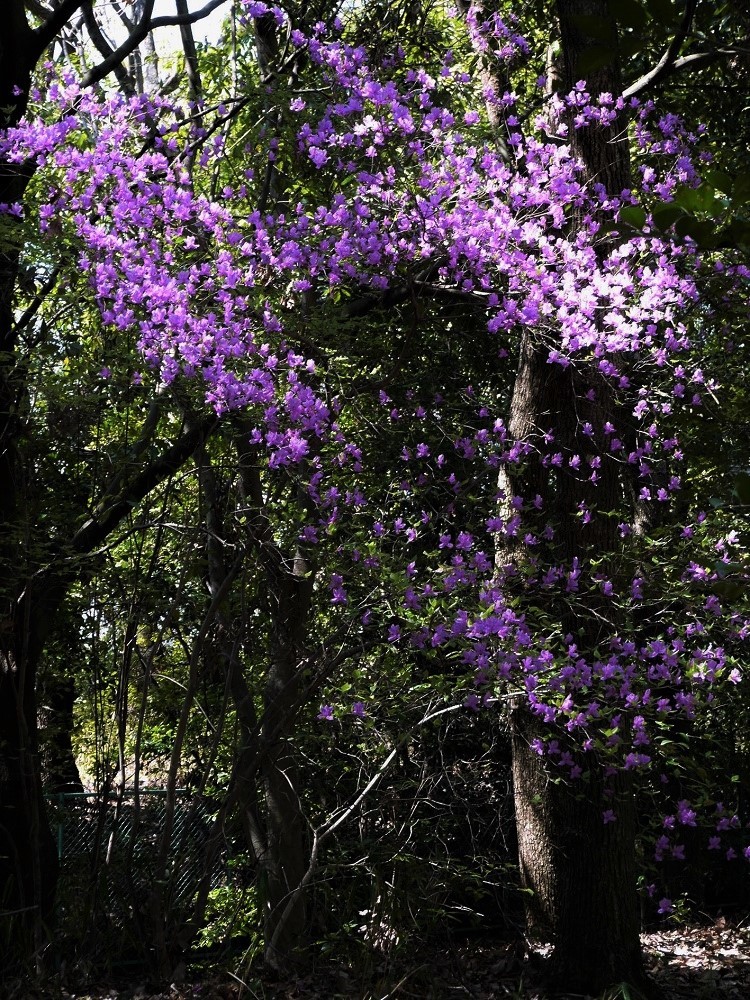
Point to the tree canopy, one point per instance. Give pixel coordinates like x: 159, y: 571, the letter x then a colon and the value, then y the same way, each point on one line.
x: 378, y: 376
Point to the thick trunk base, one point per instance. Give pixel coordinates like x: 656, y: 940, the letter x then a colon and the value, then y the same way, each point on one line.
x: 577, y: 868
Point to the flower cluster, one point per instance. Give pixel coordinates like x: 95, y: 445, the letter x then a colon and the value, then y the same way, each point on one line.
x: 213, y: 288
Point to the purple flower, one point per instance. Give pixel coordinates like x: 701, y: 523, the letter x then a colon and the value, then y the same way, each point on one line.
x: 318, y: 156
x: 685, y: 814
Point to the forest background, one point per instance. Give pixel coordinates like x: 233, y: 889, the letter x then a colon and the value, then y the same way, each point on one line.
x: 375, y: 481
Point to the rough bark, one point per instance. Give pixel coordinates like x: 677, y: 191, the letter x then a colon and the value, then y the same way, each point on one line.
x: 289, y: 594
x: 57, y: 760
x: 27, y: 856
x: 580, y: 871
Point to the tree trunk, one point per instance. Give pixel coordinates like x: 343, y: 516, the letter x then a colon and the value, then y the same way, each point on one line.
x: 28, y: 859
x: 281, y: 848
x: 579, y: 870
x: 287, y: 851
x: 28, y: 862
x: 58, y: 764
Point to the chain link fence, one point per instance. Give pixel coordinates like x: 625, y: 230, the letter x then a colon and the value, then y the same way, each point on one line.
x: 112, y: 857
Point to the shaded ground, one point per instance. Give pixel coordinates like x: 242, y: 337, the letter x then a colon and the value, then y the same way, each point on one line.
x: 690, y: 963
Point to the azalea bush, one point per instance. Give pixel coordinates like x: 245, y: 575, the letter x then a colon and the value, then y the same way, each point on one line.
x: 558, y: 565
x: 212, y: 290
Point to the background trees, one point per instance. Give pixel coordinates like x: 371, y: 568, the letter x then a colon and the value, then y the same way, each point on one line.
x: 333, y: 404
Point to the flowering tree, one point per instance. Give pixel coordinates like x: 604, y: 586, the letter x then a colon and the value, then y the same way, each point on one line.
x: 510, y: 531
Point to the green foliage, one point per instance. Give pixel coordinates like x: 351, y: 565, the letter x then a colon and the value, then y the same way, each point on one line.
x: 432, y: 845
x: 231, y: 912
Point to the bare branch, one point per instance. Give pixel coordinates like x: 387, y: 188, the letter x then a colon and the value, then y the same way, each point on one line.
x: 147, y: 23
x: 113, y: 508
x: 339, y: 816
x: 697, y: 60
x: 671, y: 63
x: 105, y: 49
x: 50, y: 29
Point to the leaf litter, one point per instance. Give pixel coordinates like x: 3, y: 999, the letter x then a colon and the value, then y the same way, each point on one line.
x: 697, y: 962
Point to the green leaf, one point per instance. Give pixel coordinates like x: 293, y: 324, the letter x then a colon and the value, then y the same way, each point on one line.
x: 700, y: 199
x: 737, y: 233
x: 666, y: 214
x: 741, y: 189
x: 633, y: 215
x: 724, y: 570
x: 662, y: 11
x: 720, y: 180
x: 630, y: 46
x: 703, y: 232
x: 728, y: 590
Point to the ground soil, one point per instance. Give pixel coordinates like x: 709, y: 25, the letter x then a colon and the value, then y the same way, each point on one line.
x: 700, y: 962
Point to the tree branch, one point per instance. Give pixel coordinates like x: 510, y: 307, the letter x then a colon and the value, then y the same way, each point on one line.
x: 39, y: 602
x: 38, y: 300
x: 120, y: 11
x: 112, y: 509
x: 339, y: 816
x: 667, y: 61
x: 38, y: 9
x: 147, y: 23
x: 195, y: 86
x: 46, y: 33
x: 105, y: 49
x: 671, y: 63
x: 697, y: 60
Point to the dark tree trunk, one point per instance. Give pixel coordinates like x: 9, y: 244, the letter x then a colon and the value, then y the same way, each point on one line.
x: 28, y: 862
x: 58, y: 764
x: 286, y: 854
x: 579, y: 870
x: 28, y: 858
